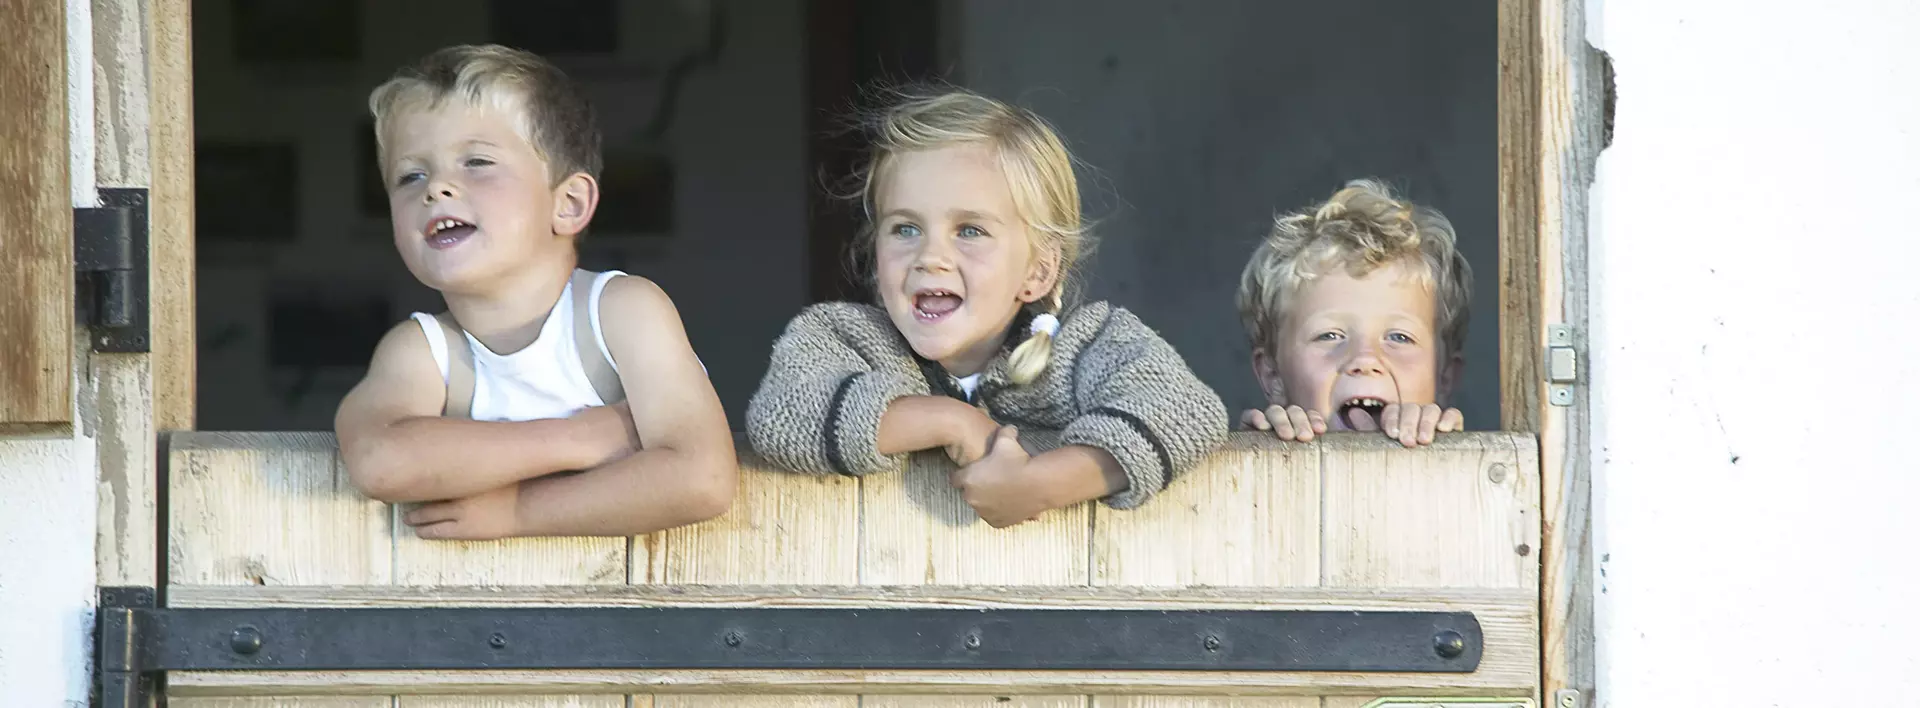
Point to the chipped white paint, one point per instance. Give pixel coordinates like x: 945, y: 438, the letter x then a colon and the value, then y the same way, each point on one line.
x: 1752, y: 265
x: 80, y: 102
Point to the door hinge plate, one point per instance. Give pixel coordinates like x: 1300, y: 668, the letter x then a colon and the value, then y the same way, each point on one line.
x: 1562, y: 364
x: 110, y: 256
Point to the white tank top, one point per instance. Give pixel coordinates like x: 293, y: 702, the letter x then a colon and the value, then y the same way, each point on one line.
x: 543, y: 380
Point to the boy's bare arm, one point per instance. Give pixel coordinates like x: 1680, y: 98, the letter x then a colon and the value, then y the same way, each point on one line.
x: 398, y: 448
x: 685, y: 470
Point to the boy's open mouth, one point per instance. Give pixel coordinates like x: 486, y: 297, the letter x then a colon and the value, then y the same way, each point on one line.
x: 1358, y: 411
x: 446, y: 231
x: 934, y: 304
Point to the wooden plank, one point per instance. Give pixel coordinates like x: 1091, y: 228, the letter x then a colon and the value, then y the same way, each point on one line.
x: 1503, y: 678
x: 1204, y: 702
x: 783, y: 529
x: 282, y: 702
x: 127, y: 544
x: 1573, y: 89
x: 1249, y: 517
x: 917, y: 530
x: 36, y: 217
x: 1521, y: 339
x: 924, y: 701
x: 270, y: 509
x: 170, y: 262
x: 1462, y: 513
x: 569, y: 560
x: 576, y: 701
x: 756, y: 702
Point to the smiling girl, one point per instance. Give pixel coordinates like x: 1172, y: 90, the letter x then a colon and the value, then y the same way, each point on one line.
x: 974, y: 229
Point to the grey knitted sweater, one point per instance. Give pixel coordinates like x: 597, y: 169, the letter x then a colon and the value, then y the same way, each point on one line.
x: 1111, y: 384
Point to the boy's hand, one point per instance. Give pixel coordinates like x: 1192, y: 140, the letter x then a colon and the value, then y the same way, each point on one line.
x: 995, y: 485
x: 973, y: 433
x: 1287, y: 422
x: 611, y: 433
x: 485, y: 516
x: 1415, y: 424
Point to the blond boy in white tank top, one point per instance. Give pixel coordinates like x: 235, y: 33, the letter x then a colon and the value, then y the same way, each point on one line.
x: 490, y: 157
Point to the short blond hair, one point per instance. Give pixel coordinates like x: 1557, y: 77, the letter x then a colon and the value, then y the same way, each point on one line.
x: 1038, y: 169
x: 546, y: 108
x: 1363, y: 227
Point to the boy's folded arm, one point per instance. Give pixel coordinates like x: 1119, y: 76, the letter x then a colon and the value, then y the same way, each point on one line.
x: 1143, y: 405
x: 398, y: 448
x: 685, y: 470
x: 820, y: 407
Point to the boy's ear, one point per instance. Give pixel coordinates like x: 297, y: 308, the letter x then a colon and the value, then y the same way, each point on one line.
x: 1267, y: 372
x: 574, y: 200
x: 1451, y: 369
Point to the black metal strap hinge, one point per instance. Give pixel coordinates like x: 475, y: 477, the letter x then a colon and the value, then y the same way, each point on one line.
x: 110, y: 256
x: 146, y: 640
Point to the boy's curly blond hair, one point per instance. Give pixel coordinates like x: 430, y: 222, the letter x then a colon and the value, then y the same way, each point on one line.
x: 547, y: 109
x: 1362, y: 227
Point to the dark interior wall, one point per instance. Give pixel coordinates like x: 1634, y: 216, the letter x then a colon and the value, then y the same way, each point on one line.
x: 1195, y: 125
x: 1198, y: 124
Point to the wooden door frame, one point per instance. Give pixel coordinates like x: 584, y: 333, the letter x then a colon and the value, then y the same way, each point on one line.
x: 1552, y: 111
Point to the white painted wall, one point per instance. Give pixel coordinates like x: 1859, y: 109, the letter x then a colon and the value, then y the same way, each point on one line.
x: 1753, y: 352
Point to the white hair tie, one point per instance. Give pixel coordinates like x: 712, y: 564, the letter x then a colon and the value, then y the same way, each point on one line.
x: 1045, y: 322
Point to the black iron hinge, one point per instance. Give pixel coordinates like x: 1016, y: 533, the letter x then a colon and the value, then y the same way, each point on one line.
x: 110, y: 271
x: 121, y: 678
x: 139, y: 642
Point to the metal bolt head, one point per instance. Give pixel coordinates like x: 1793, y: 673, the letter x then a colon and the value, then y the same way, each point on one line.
x: 1449, y: 644
x: 1568, y: 700
x: 734, y: 639
x: 1497, y: 472
x: 246, y: 640
x: 973, y: 641
x: 497, y: 641
x: 1212, y: 643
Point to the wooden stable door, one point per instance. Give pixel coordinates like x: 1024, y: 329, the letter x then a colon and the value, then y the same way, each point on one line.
x: 1353, y: 524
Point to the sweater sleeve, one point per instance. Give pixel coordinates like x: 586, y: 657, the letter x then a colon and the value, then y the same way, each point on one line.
x: 818, y: 408
x: 1141, y: 403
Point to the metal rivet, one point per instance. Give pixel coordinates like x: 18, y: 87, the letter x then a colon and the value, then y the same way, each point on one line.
x: 1523, y: 549
x: 1449, y: 644
x: 246, y: 640
x: 973, y: 641
x: 734, y: 639
x: 1212, y: 643
x: 1497, y: 472
x: 1568, y: 701
x: 497, y: 641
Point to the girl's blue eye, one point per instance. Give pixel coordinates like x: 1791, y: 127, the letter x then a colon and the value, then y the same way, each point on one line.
x: 906, y: 230
x: 1399, y: 338
x: 409, y: 178
x: 478, y: 162
x: 1326, y: 336
x: 971, y: 232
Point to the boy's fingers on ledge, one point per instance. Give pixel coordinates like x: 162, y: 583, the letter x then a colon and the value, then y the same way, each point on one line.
x: 1253, y: 419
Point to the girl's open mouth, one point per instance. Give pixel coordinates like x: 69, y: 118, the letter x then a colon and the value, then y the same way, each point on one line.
x: 934, y: 304
x: 1361, y: 412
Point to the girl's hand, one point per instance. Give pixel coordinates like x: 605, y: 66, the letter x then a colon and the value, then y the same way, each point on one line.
x: 972, y: 434
x: 1415, y: 424
x: 996, y: 486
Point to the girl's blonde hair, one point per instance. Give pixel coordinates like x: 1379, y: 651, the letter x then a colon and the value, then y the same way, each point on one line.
x: 1364, y: 226
x: 1038, y: 169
